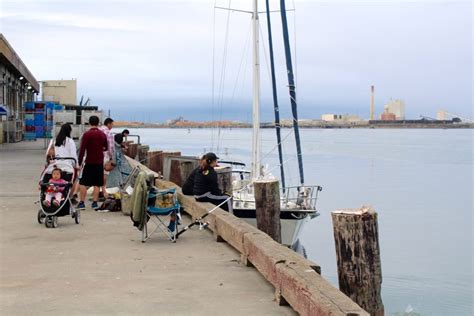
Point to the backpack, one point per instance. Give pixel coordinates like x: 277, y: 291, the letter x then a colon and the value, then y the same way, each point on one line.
x: 111, y: 204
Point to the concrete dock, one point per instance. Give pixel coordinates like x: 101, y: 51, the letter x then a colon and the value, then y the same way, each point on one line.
x: 101, y: 267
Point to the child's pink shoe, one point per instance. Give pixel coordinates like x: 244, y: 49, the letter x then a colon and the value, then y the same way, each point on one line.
x: 56, y: 203
x: 46, y: 203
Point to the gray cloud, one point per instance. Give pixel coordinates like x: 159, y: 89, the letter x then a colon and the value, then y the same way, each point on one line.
x: 420, y: 51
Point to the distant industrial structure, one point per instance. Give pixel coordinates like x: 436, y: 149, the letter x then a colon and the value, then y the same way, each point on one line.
x: 342, y: 118
x: 372, y: 102
x: 396, y: 107
x: 60, y: 91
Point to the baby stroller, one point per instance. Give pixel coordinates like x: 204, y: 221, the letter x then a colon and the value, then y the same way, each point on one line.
x: 49, y: 214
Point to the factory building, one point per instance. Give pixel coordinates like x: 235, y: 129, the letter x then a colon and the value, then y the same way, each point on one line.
x: 396, y: 107
x: 342, y: 118
x: 387, y: 116
x: 17, y: 86
x: 60, y: 91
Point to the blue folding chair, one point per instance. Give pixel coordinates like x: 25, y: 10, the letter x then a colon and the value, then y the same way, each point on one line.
x: 160, y: 204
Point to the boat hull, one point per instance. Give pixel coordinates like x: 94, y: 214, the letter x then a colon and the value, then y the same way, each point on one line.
x: 291, y: 223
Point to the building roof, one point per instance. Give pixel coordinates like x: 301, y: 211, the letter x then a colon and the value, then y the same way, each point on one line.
x: 10, y: 58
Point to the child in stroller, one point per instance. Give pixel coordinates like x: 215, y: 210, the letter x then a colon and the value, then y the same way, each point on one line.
x: 55, y: 188
x: 56, y: 182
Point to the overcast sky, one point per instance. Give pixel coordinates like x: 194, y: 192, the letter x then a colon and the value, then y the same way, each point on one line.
x: 157, y: 56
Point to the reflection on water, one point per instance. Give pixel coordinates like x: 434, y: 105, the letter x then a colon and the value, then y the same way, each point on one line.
x: 419, y: 181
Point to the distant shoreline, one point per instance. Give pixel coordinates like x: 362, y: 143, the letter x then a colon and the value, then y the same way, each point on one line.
x: 314, y: 125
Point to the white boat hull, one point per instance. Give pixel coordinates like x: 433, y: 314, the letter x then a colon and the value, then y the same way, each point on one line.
x: 289, y: 229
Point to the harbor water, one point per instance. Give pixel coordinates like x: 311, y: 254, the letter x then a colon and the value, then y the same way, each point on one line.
x: 420, y: 181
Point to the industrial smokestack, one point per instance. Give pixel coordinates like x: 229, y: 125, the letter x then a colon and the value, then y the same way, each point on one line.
x: 372, y: 102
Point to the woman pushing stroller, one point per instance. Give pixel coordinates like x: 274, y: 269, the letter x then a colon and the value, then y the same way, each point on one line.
x: 63, y: 146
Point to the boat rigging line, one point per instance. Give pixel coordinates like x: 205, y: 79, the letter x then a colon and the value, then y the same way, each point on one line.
x: 275, y: 98
x: 213, y: 69
x: 223, y: 75
x: 292, y: 88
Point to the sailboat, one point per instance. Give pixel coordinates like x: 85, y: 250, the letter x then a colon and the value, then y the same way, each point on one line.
x: 298, y: 203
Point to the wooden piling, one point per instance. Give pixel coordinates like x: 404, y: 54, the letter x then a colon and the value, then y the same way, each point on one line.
x: 154, y: 160
x: 358, y: 257
x: 224, y: 178
x: 180, y: 169
x: 132, y: 150
x: 143, y: 153
x: 267, y: 203
x: 126, y: 143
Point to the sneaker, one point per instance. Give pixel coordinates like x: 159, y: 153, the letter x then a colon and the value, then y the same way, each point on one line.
x: 94, y: 206
x: 81, y: 206
x: 46, y: 203
x: 101, y: 210
x: 56, y: 203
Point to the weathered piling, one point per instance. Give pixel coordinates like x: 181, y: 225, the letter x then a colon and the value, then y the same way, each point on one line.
x: 126, y: 144
x: 267, y: 204
x: 143, y: 153
x: 162, y: 157
x: 224, y: 178
x: 358, y: 257
x: 132, y: 150
x: 154, y: 161
x: 177, y: 169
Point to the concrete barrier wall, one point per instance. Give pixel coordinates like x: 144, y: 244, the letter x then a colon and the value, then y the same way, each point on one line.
x: 296, y: 279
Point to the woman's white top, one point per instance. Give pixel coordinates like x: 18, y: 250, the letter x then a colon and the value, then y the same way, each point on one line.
x: 66, y: 150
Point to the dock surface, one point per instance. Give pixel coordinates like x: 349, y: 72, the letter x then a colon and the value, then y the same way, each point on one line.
x: 101, y: 267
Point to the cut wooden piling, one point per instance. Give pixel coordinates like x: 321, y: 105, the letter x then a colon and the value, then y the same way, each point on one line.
x: 154, y: 161
x: 132, y: 150
x: 224, y: 178
x: 143, y: 153
x: 177, y: 169
x: 358, y: 257
x: 267, y: 203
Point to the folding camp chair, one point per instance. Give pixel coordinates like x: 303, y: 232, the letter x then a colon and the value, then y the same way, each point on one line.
x: 161, y: 203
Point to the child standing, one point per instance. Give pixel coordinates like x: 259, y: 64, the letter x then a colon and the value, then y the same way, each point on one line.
x: 55, y: 188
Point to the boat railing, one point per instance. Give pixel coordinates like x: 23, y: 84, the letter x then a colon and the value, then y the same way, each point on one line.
x: 293, y: 197
x: 302, y: 197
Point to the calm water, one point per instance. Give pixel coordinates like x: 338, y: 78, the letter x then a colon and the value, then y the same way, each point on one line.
x: 419, y: 181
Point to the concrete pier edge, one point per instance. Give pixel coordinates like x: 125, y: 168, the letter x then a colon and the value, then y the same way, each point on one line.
x: 295, y: 278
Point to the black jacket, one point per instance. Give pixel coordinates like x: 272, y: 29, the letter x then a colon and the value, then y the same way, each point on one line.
x: 188, y: 185
x: 205, y: 180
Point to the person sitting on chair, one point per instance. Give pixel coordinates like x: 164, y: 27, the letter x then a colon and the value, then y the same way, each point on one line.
x: 206, y: 187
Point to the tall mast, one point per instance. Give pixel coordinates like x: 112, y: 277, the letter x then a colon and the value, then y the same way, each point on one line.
x: 256, y: 95
x: 291, y: 85
x: 275, y: 98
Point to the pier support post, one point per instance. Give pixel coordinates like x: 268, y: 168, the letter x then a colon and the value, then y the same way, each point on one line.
x: 154, y: 160
x: 224, y: 178
x: 132, y: 150
x: 267, y: 204
x: 358, y: 257
x: 143, y: 154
